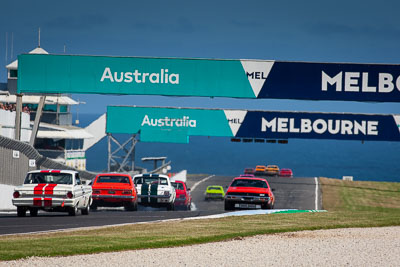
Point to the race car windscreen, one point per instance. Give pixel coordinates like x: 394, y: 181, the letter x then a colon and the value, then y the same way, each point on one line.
x: 249, y: 183
x: 113, y: 179
x: 48, y: 178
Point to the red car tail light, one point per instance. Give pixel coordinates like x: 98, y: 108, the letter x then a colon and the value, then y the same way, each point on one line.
x: 70, y: 195
x: 127, y: 192
x: 96, y: 191
x: 16, y: 194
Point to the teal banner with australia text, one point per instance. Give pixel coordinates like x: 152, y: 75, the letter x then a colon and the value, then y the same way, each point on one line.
x: 208, y: 77
x: 132, y: 76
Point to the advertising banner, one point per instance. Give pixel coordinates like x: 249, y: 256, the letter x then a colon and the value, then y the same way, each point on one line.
x: 177, y: 124
x: 208, y: 77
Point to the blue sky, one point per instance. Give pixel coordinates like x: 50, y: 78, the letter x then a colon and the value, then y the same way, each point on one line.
x: 316, y: 31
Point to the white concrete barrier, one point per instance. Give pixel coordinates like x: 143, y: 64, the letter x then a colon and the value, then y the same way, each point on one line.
x: 180, y: 176
x: 347, y: 178
x: 6, y: 192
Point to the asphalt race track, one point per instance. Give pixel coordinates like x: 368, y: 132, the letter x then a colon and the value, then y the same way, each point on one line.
x: 290, y: 193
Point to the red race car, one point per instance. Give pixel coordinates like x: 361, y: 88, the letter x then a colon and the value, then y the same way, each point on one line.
x: 249, y: 193
x: 183, y: 197
x: 286, y: 173
x: 114, y: 190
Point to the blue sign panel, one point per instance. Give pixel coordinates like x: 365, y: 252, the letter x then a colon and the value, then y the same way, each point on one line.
x: 284, y: 125
x: 332, y: 81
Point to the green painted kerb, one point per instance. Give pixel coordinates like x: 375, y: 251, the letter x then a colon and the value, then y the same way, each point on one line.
x: 167, y: 124
x: 132, y: 76
x: 298, y: 211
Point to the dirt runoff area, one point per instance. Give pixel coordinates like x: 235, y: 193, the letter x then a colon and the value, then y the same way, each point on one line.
x: 339, y: 247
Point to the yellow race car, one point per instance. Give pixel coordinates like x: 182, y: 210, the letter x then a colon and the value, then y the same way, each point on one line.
x: 272, y: 170
x: 214, y: 192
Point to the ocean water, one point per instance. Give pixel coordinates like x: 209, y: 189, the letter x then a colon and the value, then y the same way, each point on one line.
x: 369, y: 161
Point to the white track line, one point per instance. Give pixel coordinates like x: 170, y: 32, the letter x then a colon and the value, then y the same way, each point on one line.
x: 199, y: 182
x: 316, y: 193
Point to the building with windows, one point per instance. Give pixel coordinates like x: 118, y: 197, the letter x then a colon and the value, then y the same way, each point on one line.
x: 57, y: 137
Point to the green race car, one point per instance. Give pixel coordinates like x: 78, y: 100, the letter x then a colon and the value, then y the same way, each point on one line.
x: 214, y: 192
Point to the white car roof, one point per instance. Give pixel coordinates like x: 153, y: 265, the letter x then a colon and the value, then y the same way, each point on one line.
x: 54, y: 171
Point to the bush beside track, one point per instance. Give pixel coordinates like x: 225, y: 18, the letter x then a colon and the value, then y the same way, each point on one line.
x: 349, y: 204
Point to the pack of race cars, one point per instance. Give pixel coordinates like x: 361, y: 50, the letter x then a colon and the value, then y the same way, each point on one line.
x: 64, y: 191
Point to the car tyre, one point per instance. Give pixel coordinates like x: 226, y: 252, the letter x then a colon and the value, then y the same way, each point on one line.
x: 228, y: 206
x: 93, y: 206
x: 131, y: 206
x: 73, y: 211
x: 33, y: 212
x: 21, y: 212
x: 85, y: 211
x: 171, y: 206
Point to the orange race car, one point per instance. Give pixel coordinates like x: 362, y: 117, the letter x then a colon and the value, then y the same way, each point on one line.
x: 114, y: 190
x: 249, y: 193
x: 272, y: 170
x: 260, y: 170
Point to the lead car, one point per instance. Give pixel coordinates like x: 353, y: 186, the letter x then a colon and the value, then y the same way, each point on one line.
x: 52, y: 190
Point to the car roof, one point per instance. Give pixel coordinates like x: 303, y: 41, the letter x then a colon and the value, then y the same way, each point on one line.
x: 113, y: 174
x: 250, y: 178
x: 54, y: 171
x: 155, y: 175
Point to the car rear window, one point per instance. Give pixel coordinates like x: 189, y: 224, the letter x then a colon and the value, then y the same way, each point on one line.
x: 48, y: 178
x: 214, y: 188
x: 178, y: 186
x: 151, y: 180
x: 113, y: 179
x: 249, y: 183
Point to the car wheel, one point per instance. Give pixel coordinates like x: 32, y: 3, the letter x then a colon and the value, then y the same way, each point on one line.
x: 130, y: 206
x: 73, y: 211
x: 33, y: 212
x: 93, y: 206
x: 228, y: 206
x: 85, y: 211
x: 171, y: 206
x: 189, y: 206
x: 21, y: 212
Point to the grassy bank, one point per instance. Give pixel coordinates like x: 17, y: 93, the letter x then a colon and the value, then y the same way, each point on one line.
x: 350, y: 204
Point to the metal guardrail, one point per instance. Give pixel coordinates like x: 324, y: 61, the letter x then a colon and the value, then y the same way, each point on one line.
x: 13, y: 169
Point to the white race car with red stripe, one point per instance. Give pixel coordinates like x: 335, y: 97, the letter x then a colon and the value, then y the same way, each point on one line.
x: 52, y: 190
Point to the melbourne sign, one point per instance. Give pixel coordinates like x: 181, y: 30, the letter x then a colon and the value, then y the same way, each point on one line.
x: 208, y: 77
x: 177, y: 124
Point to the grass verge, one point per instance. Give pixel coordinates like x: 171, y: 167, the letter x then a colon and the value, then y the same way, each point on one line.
x: 350, y: 204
